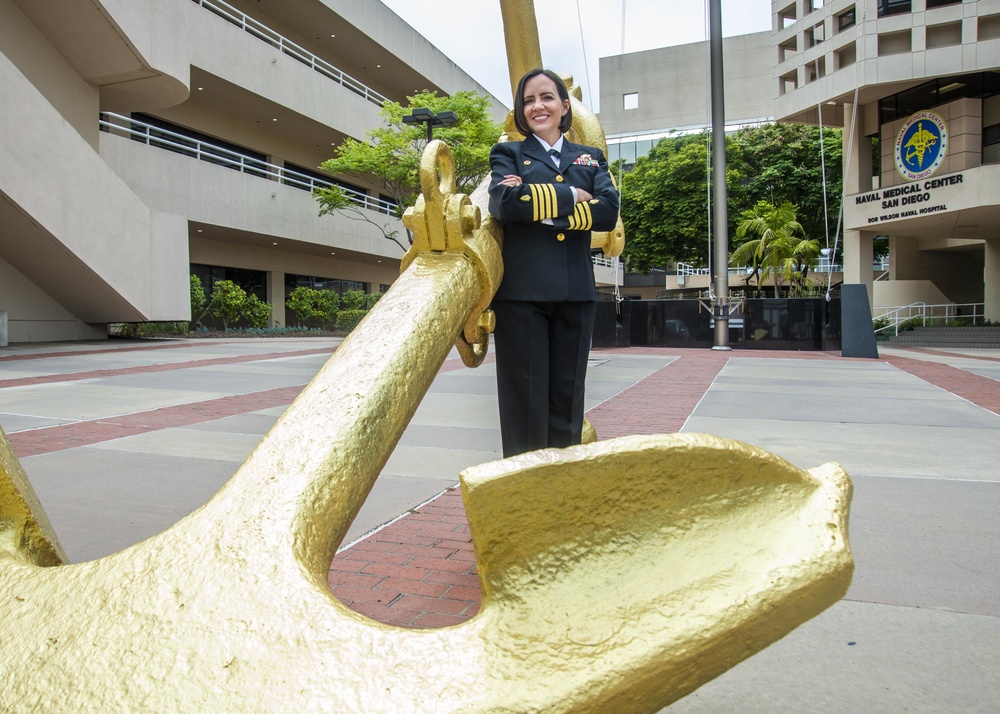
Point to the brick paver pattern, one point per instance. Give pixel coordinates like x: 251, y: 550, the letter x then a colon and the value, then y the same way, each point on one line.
x: 419, y: 571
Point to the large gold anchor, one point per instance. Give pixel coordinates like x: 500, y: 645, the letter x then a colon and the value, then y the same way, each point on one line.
x: 616, y: 576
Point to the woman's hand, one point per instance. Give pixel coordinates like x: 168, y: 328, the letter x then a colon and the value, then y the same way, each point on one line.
x: 583, y: 195
x: 510, y: 180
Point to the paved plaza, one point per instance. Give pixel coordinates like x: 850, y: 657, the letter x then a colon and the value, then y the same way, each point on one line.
x: 121, y: 439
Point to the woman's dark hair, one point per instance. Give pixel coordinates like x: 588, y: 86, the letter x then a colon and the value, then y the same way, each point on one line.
x: 519, y: 122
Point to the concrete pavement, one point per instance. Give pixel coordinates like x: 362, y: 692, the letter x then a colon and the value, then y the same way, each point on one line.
x: 121, y: 439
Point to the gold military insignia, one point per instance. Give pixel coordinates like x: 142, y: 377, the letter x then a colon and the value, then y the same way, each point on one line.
x: 559, y: 179
x: 525, y: 198
x: 593, y: 201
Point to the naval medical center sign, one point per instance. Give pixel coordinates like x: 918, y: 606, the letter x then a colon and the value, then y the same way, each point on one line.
x: 921, y: 145
x: 920, y: 148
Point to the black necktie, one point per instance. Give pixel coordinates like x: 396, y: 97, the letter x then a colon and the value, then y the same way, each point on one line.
x: 555, y: 156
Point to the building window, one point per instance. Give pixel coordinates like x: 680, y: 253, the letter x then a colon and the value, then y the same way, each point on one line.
x: 845, y: 56
x: 316, y: 283
x: 894, y: 43
x: 989, y: 27
x: 630, y: 101
x: 846, y: 19
x: 787, y: 49
x: 946, y: 35
x: 253, y: 281
x: 815, y: 35
x: 786, y: 17
x: 815, y: 70
x: 893, y: 7
x: 942, y: 3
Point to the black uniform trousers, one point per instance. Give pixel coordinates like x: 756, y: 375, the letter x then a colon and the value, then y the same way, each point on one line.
x: 546, y: 345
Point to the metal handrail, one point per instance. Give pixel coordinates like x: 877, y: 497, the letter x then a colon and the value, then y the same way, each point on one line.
x: 204, y: 151
x: 293, y: 50
x: 922, y: 311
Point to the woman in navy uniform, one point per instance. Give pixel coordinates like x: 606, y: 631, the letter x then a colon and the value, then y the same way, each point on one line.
x: 549, y: 194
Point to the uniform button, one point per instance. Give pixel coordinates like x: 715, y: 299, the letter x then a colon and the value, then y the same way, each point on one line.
x: 561, y: 236
x: 559, y: 179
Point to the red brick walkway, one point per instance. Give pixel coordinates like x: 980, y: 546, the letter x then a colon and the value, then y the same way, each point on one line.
x: 419, y: 571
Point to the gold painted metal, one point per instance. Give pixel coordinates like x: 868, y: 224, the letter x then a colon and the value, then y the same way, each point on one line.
x: 25, y: 531
x: 616, y: 576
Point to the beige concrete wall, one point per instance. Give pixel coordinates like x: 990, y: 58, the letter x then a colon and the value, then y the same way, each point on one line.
x: 226, y: 51
x: 81, y: 213
x: 891, y: 51
x: 896, y: 293
x: 33, y: 316
x: 48, y: 72
x: 673, y: 87
x: 218, y: 196
x: 386, y: 28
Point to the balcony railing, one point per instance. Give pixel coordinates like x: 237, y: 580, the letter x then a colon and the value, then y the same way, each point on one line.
x: 220, y: 156
x: 293, y: 50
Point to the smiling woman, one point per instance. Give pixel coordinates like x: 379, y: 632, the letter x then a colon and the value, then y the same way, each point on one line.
x: 549, y: 194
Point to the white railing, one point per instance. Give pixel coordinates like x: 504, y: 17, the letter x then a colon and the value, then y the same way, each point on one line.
x: 293, y: 50
x: 928, y: 314
x: 821, y: 267
x: 688, y: 269
x: 204, y: 151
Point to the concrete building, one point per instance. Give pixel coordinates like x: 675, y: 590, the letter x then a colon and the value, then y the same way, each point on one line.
x: 646, y: 96
x: 882, y: 70
x: 920, y: 79
x: 143, y: 140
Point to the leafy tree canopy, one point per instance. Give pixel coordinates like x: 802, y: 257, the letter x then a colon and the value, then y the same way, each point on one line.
x: 665, y: 197
x: 391, y: 156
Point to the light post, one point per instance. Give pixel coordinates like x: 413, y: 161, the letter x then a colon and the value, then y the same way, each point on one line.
x: 423, y: 115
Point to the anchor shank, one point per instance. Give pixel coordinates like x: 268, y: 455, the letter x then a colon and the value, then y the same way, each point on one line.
x: 520, y: 29
x: 333, y: 441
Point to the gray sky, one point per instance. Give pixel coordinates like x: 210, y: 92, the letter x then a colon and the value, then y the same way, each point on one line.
x: 471, y: 34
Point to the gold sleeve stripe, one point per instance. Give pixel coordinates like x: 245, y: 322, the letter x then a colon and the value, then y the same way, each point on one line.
x: 545, y: 204
x: 582, y: 219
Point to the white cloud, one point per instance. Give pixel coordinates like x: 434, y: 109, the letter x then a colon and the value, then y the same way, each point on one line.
x: 470, y: 32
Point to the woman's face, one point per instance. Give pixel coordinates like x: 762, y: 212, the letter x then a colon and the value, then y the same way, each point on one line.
x: 543, y: 110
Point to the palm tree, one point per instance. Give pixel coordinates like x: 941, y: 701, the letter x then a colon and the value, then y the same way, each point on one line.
x: 779, y: 246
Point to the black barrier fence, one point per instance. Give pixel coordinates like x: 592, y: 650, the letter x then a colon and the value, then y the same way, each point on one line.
x: 766, y: 324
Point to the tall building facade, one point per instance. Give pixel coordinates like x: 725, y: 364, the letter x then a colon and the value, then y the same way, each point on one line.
x: 145, y: 140
x: 915, y: 84
x: 649, y: 95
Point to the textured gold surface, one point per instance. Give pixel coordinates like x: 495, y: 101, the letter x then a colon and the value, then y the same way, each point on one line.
x: 616, y: 576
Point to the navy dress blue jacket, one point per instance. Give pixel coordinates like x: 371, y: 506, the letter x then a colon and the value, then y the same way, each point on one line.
x: 550, y: 262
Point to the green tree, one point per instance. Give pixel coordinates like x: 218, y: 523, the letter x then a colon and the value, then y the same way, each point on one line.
x: 256, y: 311
x: 665, y: 197
x: 784, y: 162
x: 774, y: 244
x: 302, y: 301
x: 391, y: 155
x: 327, y: 306
x: 309, y: 303
x: 198, y: 299
x: 228, y: 302
x: 354, y: 300
x: 665, y: 204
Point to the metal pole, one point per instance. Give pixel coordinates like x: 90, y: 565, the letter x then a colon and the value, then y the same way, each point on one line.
x: 720, y: 251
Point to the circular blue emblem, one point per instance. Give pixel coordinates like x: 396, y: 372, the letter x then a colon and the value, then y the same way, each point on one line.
x: 921, y: 145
